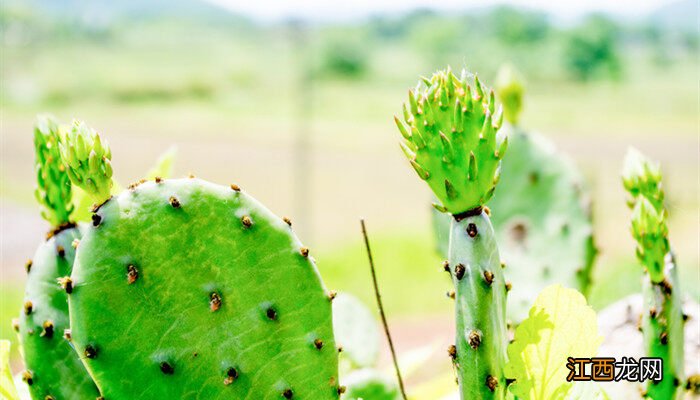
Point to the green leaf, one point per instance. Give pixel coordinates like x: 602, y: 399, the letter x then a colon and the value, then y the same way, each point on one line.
x: 560, y: 325
x: 164, y: 165
x: 7, y: 384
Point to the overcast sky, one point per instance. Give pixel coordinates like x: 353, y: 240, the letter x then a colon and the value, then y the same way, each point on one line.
x: 334, y: 10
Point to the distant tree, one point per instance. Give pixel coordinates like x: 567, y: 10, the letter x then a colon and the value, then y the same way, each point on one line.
x: 344, y: 58
x: 591, y: 49
x: 513, y: 26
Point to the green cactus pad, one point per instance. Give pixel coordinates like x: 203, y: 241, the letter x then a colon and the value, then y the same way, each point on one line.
x: 541, y: 215
x: 480, y: 297
x: 53, y: 368
x: 650, y: 230
x: 369, y: 384
x: 449, y: 131
x: 185, y: 289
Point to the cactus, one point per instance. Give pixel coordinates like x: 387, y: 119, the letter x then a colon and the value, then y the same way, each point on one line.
x: 450, y: 137
x: 183, y: 288
x: 53, y: 369
x: 541, y: 210
x: 662, y: 321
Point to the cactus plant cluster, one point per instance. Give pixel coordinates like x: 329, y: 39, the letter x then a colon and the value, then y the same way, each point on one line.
x: 185, y: 289
x: 662, y: 320
x: 177, y: 288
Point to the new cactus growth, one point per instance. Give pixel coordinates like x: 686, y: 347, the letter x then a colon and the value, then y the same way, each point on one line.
x: 183, y: 288
x: 541, y: 209
x: 662, y: 321
x: 449, y: 131
x: 53, y: 370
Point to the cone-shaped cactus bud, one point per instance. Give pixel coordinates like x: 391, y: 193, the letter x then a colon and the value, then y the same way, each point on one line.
x: 88, y: 161
x: 650, y: 230
x: 509, y: 88
x: 53, y: 190
x: 642, y: 177
x: 454, y: 136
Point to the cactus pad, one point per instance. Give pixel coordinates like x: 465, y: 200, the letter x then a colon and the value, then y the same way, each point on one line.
x: 541, y: 213
x: 53, y: 369
x: 449, y: 131
x: 187, y: 289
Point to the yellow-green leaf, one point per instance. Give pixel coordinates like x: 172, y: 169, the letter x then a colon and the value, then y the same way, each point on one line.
x: 7, y: 384
x: 560, y: 325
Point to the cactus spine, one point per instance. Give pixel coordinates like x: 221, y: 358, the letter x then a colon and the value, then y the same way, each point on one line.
x: 187, y: 289
x: 662, y: 321
x: 53, y: 369
x: 449, y: 130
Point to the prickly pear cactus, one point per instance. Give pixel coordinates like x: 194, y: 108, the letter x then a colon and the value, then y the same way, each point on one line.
x: 541, y: 212
x: 186, y: 289
x: 662, y: 321
x: 53, y: 370
x: 450, y: 138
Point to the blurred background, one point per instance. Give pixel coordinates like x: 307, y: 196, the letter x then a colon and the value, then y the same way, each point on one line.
x: 294, y: 102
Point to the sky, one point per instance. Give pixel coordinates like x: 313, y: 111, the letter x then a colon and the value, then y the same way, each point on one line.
x: 335, y: 10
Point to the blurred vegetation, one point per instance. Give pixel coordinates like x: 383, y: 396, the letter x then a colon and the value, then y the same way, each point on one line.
x: 184, y: 68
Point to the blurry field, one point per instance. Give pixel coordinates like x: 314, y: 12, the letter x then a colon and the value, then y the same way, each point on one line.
x: 231, y: 99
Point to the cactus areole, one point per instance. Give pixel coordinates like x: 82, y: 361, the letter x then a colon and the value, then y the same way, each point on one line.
x: 450, y: 136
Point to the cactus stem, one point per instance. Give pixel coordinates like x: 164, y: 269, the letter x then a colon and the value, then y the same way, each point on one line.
x: 132, y: 274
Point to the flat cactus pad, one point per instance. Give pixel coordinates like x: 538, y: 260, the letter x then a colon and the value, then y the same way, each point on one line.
x: 183, y: 289
x: 53, y: 369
